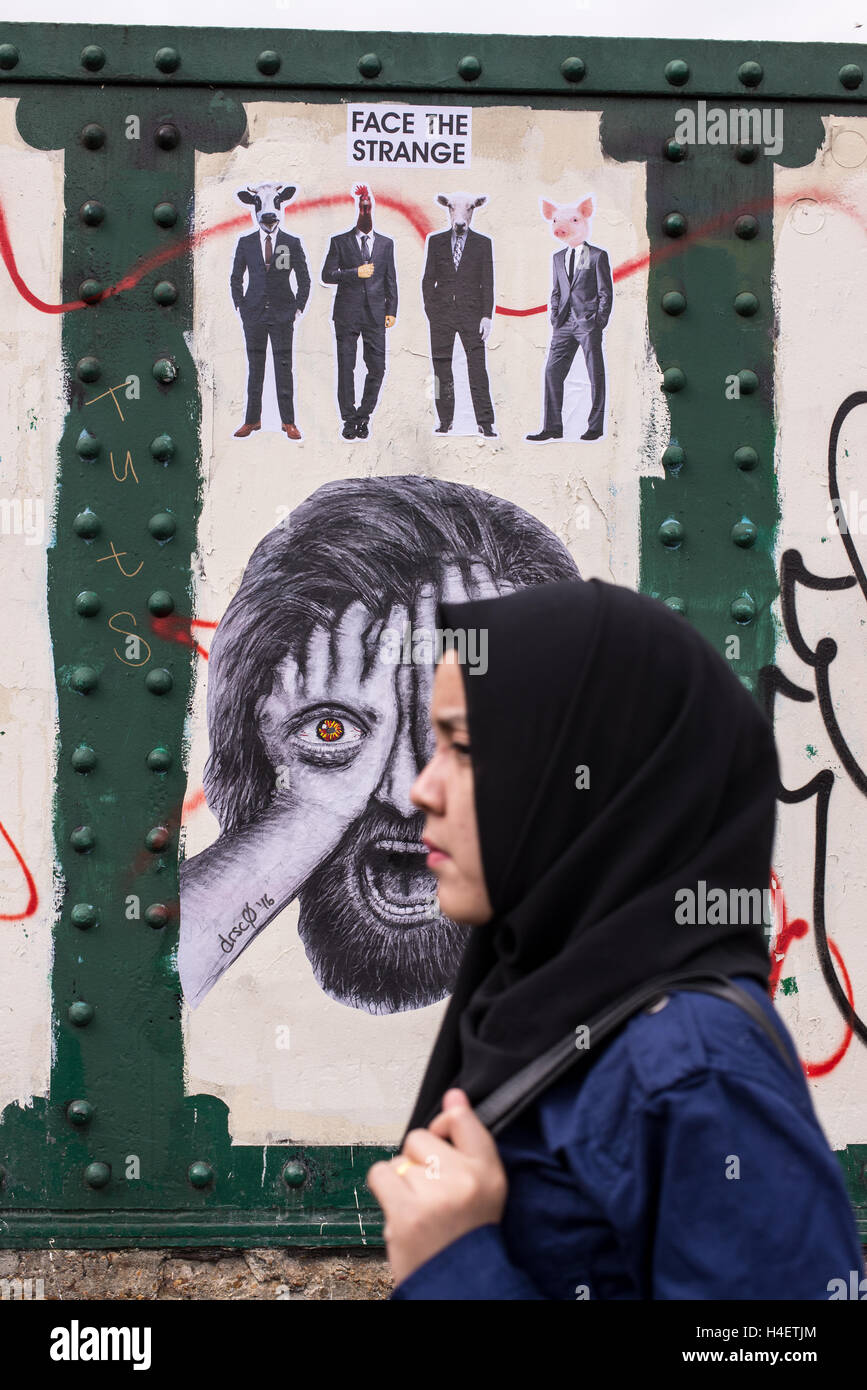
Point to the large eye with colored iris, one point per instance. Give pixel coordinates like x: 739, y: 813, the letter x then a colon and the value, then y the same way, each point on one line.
x: 329, y: 730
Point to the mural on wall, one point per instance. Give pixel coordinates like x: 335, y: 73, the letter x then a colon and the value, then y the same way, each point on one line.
x: 318, y: 727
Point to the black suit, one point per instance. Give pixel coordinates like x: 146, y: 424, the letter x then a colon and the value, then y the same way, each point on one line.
x: 361, y: 305
x: 455, y: 301
x: 267, y: 309
x: 579, y: 313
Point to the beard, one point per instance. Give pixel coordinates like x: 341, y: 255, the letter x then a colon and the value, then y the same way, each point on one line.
x: 370, y: 923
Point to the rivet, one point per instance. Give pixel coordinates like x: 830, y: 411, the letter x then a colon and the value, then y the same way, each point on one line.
x: 673, y: 457
x: 83, y: 839
x: 677, y: 72
x: 743, y: 609
x: 750, y: 73
x: 80, y: 1013
x: 673, y: 379
x: 88, y: 369
x: 674, y: 224
x: 469, y: 68
x: 84, y: 678
x: 167, y: 136
x: 671, y: 532
x: 748, y: 381
x: 9, y: 56
x: 87, y: 524
x: 744, y: 533
x: 673, y: 302
x: 87, y: 445
x: 159, y: 759
x: 573, y: 69
x: 167, y: 59
x: 294, y: 1173
x: 92, y: 213
x: 746, y: 152
x: 165, y: 214
x: 90, y: 291
x: 675, y: 151
x: 851, y: 75
x: 746, y: 304
x: 157, y: 915
x: 93, y: 57
x: 164, y: 370
x: 163, y: 447
x: 83, y: 915
x: 87, y: 603
x: 678, y: 605
x: 83, y: 758
x: 159, y: 681
x: 746, y: 227
x: 162, y: 526
x: 79, y: 1113
x: 165, y: 292
x: 161, y: 603
x: 200, y: 1174
x: 268, y: 62
x: 157, y: 839
x: 97, y: 1174
x: 746, y: 458
x: 92, y: 136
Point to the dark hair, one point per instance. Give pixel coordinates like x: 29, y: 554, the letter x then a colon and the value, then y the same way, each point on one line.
x: 374, y: 539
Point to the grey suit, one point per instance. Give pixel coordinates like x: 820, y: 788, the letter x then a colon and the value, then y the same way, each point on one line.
x: 579, y: 313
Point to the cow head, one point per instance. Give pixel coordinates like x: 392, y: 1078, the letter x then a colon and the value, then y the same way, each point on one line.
x: 461, y: 207
x: 265, y: 201
x: 569, y: 221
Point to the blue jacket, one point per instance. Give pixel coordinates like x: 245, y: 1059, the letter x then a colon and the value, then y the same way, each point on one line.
x: 689, y: 1165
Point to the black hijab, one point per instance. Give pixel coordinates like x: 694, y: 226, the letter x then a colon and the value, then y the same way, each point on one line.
x: 683, y: 778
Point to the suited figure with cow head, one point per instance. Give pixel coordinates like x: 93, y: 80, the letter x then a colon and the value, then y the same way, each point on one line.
x: 263, y: 294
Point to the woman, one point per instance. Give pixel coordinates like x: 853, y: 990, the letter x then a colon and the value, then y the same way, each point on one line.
x: 607, y: 766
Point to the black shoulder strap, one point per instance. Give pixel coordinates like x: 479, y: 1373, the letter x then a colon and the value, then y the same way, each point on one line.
x: 507, y: 1101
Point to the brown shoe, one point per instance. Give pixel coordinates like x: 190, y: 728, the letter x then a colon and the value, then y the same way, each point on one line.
x: 247, y: 429
x: 292, y: 431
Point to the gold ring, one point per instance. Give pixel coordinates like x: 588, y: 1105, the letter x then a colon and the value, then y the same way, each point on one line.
x: 401, y: 1166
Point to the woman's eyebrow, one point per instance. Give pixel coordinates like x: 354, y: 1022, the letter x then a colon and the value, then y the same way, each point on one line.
x: 455, y: 720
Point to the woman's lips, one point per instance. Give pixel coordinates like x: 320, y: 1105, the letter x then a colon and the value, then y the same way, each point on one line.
x: 435, y: 855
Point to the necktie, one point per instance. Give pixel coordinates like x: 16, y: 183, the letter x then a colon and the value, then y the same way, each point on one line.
x: 459, y: 246
x: 572, y: 266
x: 365, y: 249
x: 267, y: 249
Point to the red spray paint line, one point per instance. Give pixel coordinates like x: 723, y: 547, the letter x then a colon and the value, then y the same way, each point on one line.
x: 33, y: 898
x: 786, y: 933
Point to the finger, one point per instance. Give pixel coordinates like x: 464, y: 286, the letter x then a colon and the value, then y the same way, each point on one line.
x: 389, y: 1188
x: 454, y: 1098
x: 314, y: 675
x: 348, y: 643
x: 482, y: 583
x: 466, y: 1132
x: 454, y: 589
x: 423, y: 1146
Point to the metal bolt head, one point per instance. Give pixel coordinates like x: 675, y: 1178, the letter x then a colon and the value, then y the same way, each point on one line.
x: 167, y: 59
x: 84, y: 679
x: 268, y: 62
x: 743, y: 609
x: 677, y: 605
x: 83, y: 758
x: 750, y: 74
x: 93, y: 57
x: 80, y: 1013
x: 165, y: 214
x: 159, y: 681
x: 157, y: 839
x: 88, y: 369
x: 79, y: 1113
x: 294, y: 1173
x: 157, y: 915
x: 92, y: 212
x: 851, y: 76
x: 92, y: 136
x: 748, y: 382
x: 90, y: 291
x: 744, y: 533
x: 675, y: 151
x: 746, y: 458
x: 674, y: 224
x: 165, y: 292
x: 746, y: 152
x: 164, y: 371
x: 87, y: 524
x: 82, y: 839
x: 200, y: 1174
x: 162, y: 526
x: 671, y: 533
x: 97, y: 1174
x: 573, y: 69
x: 87, y: 446
x: 673, y: 457
x: 167, y: 136
x: 746, y: 304
x: 83, y: 915
x: 469, y: 68
x: 673, y: 379
x: 159, y: 759
x: 746, y: 227
x: 677, y: 72
x: 673, y: 302
x: 161, y: 603
x: 163, y: 448
x: 9, y: 56
x: 87, y: 603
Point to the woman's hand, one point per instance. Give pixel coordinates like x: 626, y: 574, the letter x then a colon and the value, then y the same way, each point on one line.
x: 447, y: 1180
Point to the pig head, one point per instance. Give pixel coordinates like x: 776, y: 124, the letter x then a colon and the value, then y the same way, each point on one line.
x: 570, y: 222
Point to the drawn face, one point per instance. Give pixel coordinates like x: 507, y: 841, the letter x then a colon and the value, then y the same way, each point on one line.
x: 369, y: 918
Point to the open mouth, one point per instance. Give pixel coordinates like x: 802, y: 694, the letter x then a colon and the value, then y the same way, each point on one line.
x: 399, y: 885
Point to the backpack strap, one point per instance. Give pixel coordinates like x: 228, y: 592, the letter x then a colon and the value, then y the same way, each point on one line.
x: 505, y: 1102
